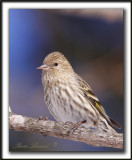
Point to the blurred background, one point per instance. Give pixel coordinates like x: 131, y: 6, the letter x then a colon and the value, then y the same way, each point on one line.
x: 91, y: 39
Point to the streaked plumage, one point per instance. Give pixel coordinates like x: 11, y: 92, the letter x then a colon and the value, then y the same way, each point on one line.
x: 68, y: 97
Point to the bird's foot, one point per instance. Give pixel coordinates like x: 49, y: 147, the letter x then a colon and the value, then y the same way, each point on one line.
x: 74, y: 126
x: 42, y: 118
x: 69, y: 122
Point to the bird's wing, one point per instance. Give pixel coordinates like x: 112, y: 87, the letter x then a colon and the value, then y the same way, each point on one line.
x: 90, y: 96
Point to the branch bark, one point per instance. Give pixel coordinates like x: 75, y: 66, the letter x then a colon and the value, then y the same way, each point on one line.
x: 60, y: 130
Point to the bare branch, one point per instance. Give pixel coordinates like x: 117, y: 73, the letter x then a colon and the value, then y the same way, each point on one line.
x: 108, y: 14
x: 10, y: 109
x: 60, y: 130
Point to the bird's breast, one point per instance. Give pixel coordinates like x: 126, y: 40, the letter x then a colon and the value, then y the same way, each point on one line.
x: 65, y: 102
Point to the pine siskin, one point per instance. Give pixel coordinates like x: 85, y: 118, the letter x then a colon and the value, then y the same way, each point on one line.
x: 69, y: 98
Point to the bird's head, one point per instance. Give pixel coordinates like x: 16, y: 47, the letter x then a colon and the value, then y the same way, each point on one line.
x: 56, y: 65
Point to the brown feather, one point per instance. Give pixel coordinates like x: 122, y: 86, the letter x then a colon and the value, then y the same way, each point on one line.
x: 90, y: 96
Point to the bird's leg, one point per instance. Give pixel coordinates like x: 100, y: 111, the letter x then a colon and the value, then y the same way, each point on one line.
x: 42, y: 118
x: 75, y: 126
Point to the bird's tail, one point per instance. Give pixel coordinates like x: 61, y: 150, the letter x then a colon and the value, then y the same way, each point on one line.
x: 114, y: 123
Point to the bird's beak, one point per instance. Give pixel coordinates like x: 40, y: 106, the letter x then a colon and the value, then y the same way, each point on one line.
x: 44, y: 67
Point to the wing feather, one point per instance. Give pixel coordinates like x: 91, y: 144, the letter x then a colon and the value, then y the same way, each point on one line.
x: 90, y: 96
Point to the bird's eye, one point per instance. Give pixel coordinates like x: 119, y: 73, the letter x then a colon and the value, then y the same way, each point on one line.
x: 55, y: 64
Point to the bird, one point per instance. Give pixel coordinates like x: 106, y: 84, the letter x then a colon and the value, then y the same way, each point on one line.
x: 69, y: 98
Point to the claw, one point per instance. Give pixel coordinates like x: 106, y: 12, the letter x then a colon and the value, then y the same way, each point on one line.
x: 42, y: 118
x: 69, y: 122
x: 75, y: 126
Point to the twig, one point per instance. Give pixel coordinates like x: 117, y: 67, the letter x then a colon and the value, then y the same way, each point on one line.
x: 60, y: 130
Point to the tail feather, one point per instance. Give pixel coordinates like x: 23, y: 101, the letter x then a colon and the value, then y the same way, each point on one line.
x: 115, y: 123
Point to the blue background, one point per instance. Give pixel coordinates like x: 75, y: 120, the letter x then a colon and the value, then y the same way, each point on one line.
x: 94, y: 47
